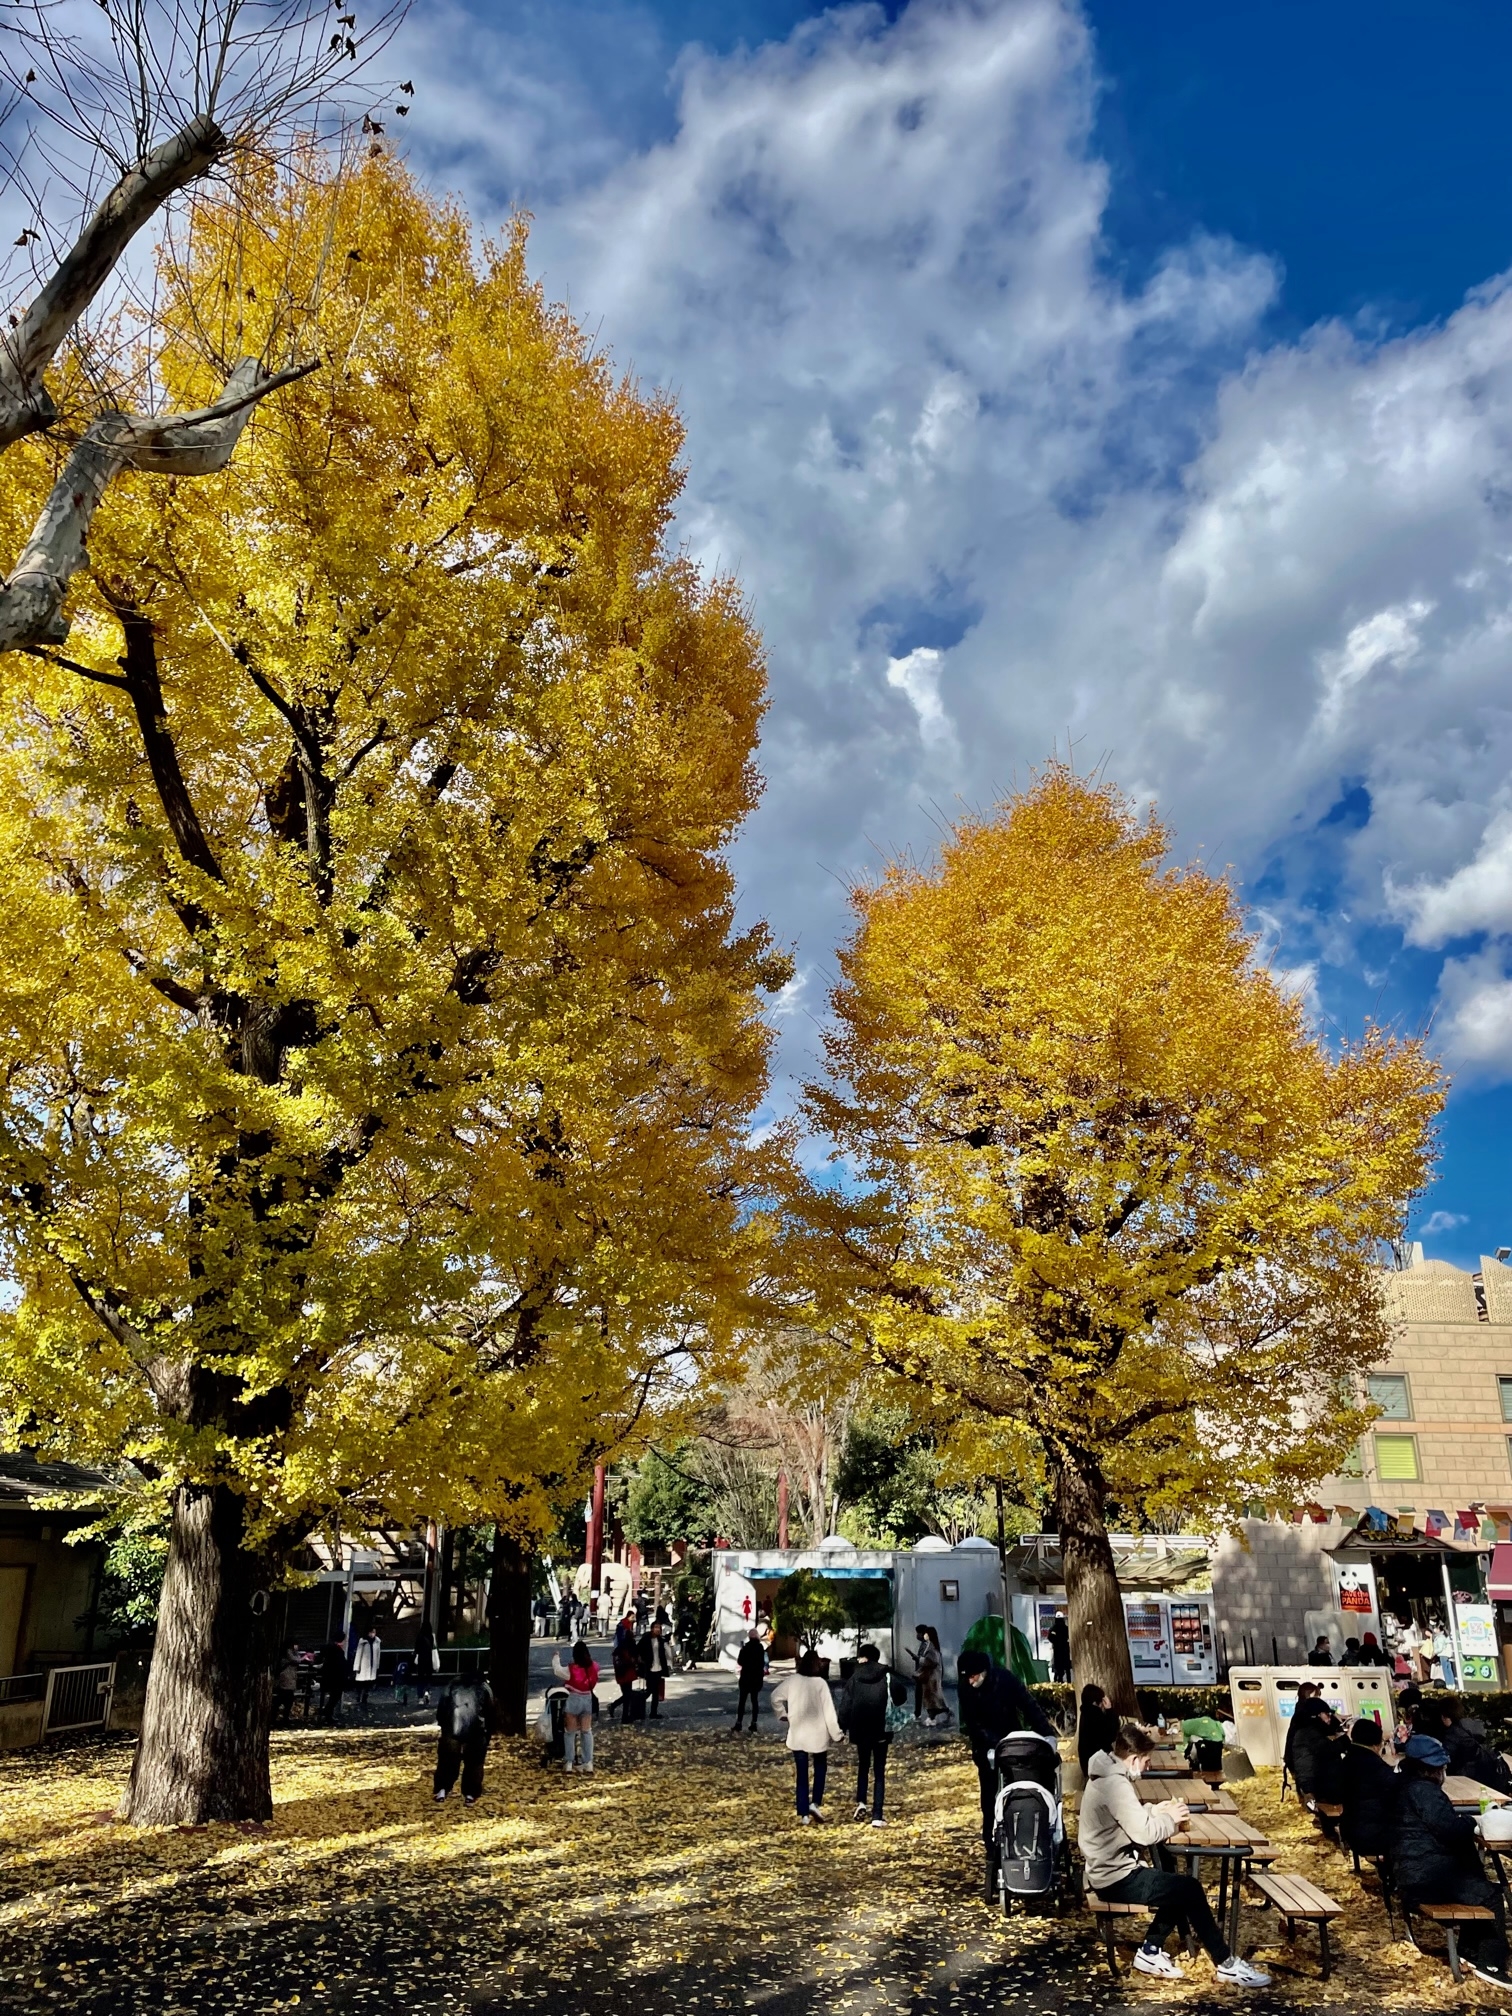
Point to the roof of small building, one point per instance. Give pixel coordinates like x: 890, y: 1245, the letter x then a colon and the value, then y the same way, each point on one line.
x: 24, y: 1476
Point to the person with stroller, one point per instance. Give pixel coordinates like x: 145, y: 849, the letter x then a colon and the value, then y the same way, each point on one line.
x: 581, y: 1677
x: 1435, y: 1859
x: 1113, y: 1827
x: 863, y: 1716
x: 994, y: 1703
x: 805, y: 1703
x: 465, y: 1714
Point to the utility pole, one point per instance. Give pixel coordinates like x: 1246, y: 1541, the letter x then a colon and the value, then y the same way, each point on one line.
x: 1003, y: 1579
x: 596, y: 1530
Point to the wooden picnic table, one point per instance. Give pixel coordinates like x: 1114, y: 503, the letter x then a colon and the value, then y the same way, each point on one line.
x: 1466, y: 1793
x: 1200, y: 1796
x: 1232, y: 1842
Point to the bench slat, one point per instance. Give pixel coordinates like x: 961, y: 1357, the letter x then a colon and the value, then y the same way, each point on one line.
x: 1453, y: 1914
x: 1295, y: 1896
x: 1102, y: 1910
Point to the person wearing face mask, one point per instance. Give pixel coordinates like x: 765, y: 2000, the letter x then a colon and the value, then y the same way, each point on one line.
x: 1113, y: 1826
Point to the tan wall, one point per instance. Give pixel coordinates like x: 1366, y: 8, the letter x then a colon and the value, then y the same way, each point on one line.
x: 59, y: 1591
x: 1452, y: 1362
x: 20, y: 1724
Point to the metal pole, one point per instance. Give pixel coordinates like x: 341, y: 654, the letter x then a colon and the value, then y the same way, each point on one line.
x: 1454, y: 1637
x: 596, y: 1530
x: 1003, y: 1580
x: 782, y: 1507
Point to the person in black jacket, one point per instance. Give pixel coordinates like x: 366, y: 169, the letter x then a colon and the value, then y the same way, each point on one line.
x: 1317, y: 1759
x: 863, y: 1717
x: 1468, y: 1756
x: 333, y: 1679
x: 1096, y: 1726
x: 466, y: 1715
x: 1436, y: 1861
x: 1368, y: 1789
x: 1059, y: 1638
x: 655, y: 1665
x: 751, y: 1663
x: 993, y: 1703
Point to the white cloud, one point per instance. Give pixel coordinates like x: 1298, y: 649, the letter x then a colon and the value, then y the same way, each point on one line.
x: 955, y: 461
x: 1441, y: 1221
x: 1475, y: 1021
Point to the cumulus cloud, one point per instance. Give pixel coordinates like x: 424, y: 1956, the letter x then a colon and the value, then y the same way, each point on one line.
x: 987, y: 499
x: 1441, y: 1221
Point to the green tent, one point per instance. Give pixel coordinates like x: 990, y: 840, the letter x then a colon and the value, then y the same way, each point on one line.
x: 986, y: 1635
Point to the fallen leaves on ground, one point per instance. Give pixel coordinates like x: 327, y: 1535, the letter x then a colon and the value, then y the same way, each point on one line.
x: 674, y: 1878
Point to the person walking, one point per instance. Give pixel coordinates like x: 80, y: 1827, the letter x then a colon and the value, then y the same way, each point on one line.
x: 655, y: 1664
x: 750, y: 1663
x: 864, y: 1707
x: 1114, y: 1824
x: 929, y: 1663
x: 625, y: 1660
x: 285, y: 1686
x: 581, y: 1677
x: 333, y: 1680
x: 1059, y: 1638
x: 365, y: 1663
x: 426, y: 1662
x: 465, y: 1714
x: 805, y: 1703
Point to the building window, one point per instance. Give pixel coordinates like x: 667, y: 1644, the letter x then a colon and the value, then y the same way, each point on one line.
x: 1396, y: 1459
x: 1354, y: 1465
x: 1388, y: 1391
x: 1504, y: 1388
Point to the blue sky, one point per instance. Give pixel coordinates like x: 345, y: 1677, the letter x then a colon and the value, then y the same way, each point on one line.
x: 1137, y: 372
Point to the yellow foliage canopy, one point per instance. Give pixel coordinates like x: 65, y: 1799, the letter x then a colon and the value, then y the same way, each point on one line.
x: 1124, y: 1207
x: 378, y: 1046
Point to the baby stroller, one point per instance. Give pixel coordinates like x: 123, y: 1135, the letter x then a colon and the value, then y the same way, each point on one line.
x: 551, y: 1725
x: 1031, y: 1860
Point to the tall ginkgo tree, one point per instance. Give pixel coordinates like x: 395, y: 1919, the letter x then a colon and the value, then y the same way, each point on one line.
x: 1122, y: 1209
x: 378, y: 1046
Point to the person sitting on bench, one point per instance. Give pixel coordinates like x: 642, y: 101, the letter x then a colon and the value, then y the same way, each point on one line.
x: 1113, y: 1827
x: 1368, y: 1792
x: 1435, y: 1859
x: 1317, y: 1759
x: 1469, y: 1757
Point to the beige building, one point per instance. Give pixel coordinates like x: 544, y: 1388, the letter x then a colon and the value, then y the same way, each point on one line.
x: 1444, y: 1439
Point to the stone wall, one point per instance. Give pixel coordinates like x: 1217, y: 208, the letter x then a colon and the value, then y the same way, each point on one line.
x: 1269, y: 1586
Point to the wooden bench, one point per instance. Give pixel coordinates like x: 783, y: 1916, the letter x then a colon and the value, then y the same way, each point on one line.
x: 1299, y: 1902
x: 1105, y: 1913
x: 1451, y: 1917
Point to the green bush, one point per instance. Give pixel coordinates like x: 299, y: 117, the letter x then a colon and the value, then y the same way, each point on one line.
x: 1177, y: 1704
x: 808, y: 1607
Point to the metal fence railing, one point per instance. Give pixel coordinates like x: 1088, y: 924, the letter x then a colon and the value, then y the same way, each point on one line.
x: 78, y: 1697
x: 22, y: 1687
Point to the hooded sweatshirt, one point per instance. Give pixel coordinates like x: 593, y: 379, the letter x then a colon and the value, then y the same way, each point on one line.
x: 865, y: 1702
x: 1115, y: 1823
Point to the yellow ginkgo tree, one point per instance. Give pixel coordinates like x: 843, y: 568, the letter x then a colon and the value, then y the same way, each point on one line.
x: 379, y: 1048
x: 1120, y: 1210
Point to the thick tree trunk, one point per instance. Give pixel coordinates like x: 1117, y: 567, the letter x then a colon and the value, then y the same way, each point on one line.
x: 1099, y: 1641
x: 509, y: 1634
x: 203, y: 1753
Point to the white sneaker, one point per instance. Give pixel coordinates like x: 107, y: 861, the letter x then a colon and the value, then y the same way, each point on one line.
x: 1159, y: 1964
x: 805, y: 1819
x: 1484, y: 1973
x: 567, y: 1765
x: 879, y: 1823
x: 860, y: 1813
x: 440, y: 1798
x: 1242, y: 1974
x: 819, y: 1814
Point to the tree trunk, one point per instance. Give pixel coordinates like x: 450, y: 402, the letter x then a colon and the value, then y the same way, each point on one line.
x: 203, y: 1753
x: 509, y: 1633
x: 1099, y: 1641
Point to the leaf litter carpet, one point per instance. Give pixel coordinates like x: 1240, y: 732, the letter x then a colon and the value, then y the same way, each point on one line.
x: 674, y: 1879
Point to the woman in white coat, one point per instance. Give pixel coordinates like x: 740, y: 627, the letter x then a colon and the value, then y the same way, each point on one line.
x: 805, y: 1703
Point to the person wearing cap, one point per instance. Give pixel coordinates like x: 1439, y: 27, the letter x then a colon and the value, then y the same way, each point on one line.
x: 1368, y: 1792
x: 1435, y: 1859
x: 993, y: 1704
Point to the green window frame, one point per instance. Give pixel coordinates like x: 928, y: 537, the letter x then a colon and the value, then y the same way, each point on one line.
x: 1504, y: 1389
x: 1397, y: 1459
x: 1390, y: 1392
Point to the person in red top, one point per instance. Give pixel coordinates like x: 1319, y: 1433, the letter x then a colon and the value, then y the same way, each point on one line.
x: 581, y: 1678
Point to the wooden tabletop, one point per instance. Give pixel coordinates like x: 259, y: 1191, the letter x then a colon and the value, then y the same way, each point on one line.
x: 1215, y: 1830
x: 1200, y: 1797
x: 1466, y: 1792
